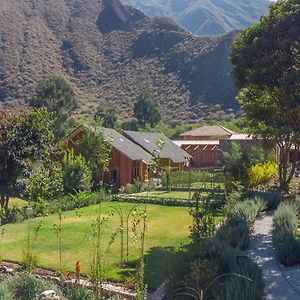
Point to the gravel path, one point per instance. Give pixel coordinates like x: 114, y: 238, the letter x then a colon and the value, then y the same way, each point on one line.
x: 281, y: 283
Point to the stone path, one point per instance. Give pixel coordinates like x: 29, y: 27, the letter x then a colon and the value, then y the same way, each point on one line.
x: 281, y: 283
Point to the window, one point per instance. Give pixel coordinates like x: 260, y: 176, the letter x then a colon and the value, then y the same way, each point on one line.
x: 114, y: 176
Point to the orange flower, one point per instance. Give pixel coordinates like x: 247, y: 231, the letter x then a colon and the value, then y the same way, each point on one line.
x: 78, y: 266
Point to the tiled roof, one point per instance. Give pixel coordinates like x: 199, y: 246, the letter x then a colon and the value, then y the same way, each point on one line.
x: 148, y: 141
x: 119, y: 142
x: 215, y: 130
x: 127, y: 147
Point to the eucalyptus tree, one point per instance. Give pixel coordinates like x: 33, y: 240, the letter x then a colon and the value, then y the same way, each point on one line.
x: 266, y: 69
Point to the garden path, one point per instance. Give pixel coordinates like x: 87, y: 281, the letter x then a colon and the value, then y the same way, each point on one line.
x: 281, y: 283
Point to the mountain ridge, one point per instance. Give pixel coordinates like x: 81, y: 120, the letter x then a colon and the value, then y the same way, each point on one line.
x: 206, y: 17
x: 109, y: 52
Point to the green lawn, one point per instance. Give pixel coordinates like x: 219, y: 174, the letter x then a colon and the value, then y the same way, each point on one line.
x: 165, y: 194
x: 168, y: 229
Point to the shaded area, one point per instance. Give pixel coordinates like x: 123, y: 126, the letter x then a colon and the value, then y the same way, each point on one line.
x: 159, y: 261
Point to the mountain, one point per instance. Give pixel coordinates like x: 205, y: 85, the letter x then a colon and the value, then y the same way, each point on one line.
x: 109, y: 52
x: 206, y: 17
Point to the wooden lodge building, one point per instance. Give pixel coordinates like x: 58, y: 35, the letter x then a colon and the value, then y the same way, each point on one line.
x: 129, y: 160
x: 203, y: 144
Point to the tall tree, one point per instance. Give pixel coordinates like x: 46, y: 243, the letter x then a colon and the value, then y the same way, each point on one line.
x: 25, y: 137
x: 146, y: 110
x: 266, y: 69
x: 57, y: 96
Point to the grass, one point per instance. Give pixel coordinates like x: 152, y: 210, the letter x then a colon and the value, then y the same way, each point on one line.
x: 163, y: 233
x: 163, y: 239
x: 165, y: 194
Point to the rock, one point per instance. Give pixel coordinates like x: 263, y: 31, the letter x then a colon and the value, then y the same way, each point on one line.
x: 6, y: 270
x: 49, y: 295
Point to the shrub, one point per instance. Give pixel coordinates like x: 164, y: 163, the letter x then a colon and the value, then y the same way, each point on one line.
x: 77, y: 176
x: 25, y: 287
x: 137, y: 187
x: 77, y: 292
x: 261, y: 174
x: 231, y: 201
x: 233, y: 287
x: 234, y: 233
x: 248, y: 210
x: 272, y: 198
x: 46, y: 183
x: 287, y: 245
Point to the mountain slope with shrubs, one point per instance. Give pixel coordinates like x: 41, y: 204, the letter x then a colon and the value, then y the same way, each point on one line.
x: 110, y: 52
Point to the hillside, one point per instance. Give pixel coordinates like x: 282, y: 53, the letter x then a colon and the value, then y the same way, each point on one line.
x: 110, y: 51
x: 206, y: 17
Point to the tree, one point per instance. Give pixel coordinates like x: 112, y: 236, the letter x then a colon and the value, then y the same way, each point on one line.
x: 57, y: 96
x: 108, y: 116
x: 96, y: 149
x: 25, y: 137
x: 266, y: 69
x: 77, y: 175
x: 146, y: 110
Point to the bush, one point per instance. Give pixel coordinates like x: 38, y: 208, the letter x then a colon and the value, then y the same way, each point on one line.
x: 261, y: 174
x: 272, y: 198
x: 77, y: 176
x: 249, y: 210
x: 287, y: 245
x: 25, y: 287
x: 74, y: 292
x: 234, y: 233
x: 233, y: 287
x: 39, y: 208
x: 137, y: 187
x: 46, y: 183
x: 232, y: 199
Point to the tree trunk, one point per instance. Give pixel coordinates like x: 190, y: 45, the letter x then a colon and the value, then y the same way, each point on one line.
x: 286, y: 174
x: 283, y: 170
x: 2, y: 199
x: 6, y: 201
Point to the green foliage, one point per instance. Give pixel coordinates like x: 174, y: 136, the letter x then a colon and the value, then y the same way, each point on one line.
x: 201, y: 179
x: 166, y: 178
x: 77, y: 292
x: 45, y: 183
x: 25, y: 287
x: 286, y: 244
x: 241, y: 215
x: 231, y: 201
x: 234, y: 233
x: 249, y: 210
x: 138, y: 186
x: 57, y: 96
x: 261, y: 174
x: 265, y: 60
x: 24, y: 139
x: 236, y: 287
x: 238, y: 164
x: 77, y: 175
x: 96, y: 150
x: 203, y: 221
x: 146, y: 110
x: 108, y: 116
